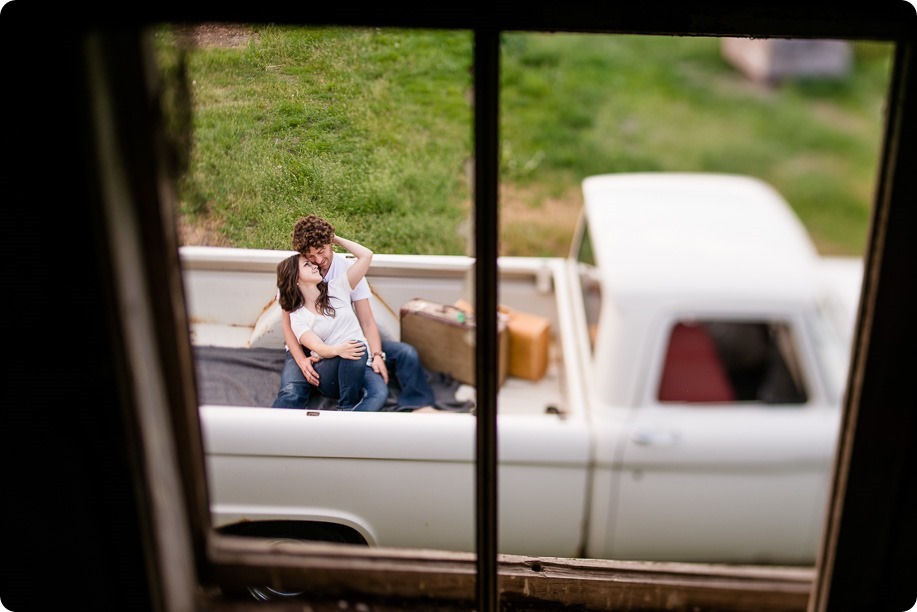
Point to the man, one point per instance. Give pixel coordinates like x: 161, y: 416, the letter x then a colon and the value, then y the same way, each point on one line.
x: 312, y: 237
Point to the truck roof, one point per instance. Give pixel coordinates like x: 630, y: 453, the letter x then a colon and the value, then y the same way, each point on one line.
x: 697, y: 235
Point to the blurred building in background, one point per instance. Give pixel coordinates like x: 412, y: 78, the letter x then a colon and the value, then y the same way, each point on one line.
x: 772, y: 60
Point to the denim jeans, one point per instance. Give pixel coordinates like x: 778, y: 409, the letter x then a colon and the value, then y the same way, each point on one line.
x: 350, y: 381
x: 294, y: 388
x: 402, y: 361
x: 343, y: 379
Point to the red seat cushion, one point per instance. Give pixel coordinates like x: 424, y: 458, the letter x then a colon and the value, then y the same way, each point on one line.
x: 693, y: 369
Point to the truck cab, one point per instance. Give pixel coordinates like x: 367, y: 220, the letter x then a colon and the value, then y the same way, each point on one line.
x: 713, y: 393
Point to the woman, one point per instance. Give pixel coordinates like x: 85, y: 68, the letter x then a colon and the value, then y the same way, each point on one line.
x: 324, y: 322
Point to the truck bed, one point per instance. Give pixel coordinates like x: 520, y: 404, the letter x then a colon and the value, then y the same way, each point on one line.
x: 236, y: 333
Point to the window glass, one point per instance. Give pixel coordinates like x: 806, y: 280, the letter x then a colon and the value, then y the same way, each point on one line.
x: 589, y: 284
x: 731, y: 361
x: 707, y: 361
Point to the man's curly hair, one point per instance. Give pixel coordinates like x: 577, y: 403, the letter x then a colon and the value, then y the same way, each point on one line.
x: 311, y: 232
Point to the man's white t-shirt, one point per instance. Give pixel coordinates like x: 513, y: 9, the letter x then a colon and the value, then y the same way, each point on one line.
x: 342, y: 327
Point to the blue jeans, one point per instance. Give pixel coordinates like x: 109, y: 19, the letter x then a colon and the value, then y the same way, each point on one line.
x: 350, y: 381
x: 294, y: 388
x: 402, y: 361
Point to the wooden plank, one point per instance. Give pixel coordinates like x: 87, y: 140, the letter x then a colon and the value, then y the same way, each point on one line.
x: 443, y: 576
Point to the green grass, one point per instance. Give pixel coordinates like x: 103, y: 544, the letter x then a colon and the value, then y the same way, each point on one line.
x: 372, y: 129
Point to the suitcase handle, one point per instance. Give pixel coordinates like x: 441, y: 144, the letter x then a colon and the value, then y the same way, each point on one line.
x: 460, y: 315
x: 447, y: 311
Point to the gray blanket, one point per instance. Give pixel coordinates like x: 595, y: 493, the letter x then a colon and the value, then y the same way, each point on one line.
x: 251, y: 377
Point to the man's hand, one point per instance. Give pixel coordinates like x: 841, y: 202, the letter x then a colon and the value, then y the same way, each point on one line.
x: 308, y: 371
x: 380, y: 368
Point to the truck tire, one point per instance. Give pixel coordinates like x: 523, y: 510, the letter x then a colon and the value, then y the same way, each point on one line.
x: 296, y: 531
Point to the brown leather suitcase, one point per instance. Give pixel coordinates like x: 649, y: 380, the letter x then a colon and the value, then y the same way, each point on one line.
x: 444, y: 337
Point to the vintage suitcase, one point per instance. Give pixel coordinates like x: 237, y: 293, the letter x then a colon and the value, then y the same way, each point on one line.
x: 529, y: 341
x: 444, y: 337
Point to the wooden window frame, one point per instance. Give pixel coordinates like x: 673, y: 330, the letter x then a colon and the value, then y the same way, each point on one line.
x: 132, y: 201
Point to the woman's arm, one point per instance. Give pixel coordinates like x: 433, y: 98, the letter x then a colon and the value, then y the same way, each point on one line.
x: 352, y: 349
x: 363, y: 256
x: 296, y: 352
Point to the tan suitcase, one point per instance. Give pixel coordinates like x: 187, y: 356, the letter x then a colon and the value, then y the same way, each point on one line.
x: 444, y: 337
x: 529, y: 342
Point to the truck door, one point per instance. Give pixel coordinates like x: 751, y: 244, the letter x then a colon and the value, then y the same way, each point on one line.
x: 729, y: 454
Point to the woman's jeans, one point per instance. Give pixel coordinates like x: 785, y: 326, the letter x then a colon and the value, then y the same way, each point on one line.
x: 346, y: 380
x: 403, y: 364
x: 350, y: 381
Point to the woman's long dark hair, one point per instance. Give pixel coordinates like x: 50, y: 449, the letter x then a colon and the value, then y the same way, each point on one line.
x: 288, y: 288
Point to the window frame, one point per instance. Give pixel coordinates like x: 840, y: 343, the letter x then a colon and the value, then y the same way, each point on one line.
x: 141, y: 261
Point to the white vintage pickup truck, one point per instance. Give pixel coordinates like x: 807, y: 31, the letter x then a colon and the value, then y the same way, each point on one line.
x: 689, y: 412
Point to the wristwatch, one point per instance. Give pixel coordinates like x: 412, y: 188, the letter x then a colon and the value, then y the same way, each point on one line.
x: 380, y: 354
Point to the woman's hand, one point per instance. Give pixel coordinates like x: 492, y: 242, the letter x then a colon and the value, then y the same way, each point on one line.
x: 352, y: 349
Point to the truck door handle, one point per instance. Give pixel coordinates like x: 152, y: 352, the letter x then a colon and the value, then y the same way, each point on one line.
x: 654, y: 437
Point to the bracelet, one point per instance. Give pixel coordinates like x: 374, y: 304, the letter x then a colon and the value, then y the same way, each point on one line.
x: 380, y: 354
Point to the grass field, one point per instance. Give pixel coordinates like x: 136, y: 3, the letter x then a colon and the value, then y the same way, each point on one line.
x: 372, y: 128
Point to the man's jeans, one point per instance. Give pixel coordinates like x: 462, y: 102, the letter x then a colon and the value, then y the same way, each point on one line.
x: 404, y: 363
x: 363, y: 389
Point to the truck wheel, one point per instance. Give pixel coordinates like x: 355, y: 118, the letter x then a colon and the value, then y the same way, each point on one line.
x: 290, y: 531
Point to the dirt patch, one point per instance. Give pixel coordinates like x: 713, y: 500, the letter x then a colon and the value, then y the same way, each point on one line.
x: 224, y: 35
x: 536, y: 224
x: 201, y: 232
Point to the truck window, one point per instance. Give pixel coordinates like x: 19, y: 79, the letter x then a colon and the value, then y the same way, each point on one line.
x: 592, y: 300
x: 589, y: 283
x: 731, y: 361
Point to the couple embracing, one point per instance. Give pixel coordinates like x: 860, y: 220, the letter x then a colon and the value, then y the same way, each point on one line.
x: 325, y: 309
